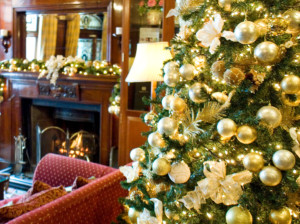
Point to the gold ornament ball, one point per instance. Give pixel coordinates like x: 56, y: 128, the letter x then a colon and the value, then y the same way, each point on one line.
x: 166, y: 102
x: 161, y: 166
x: 293, y: 18
x: 187, y: 71
x: 269, y: 115
x: 246, y: 32
x: 238, y: 215
x: 218, y: 69
x: 226, y: 127
x: 171, y: 215
x: 171, y: 78
x: 234, y: 76
x: 253, y: 162
x: 246, y: 134
x: 266, y: 52
x: 226, y: 4
x: 178, y: 104
x: 167, y: 126
x: 137, y: 154
x: 196, y: 93
x: 280, y: 216
x: 180, y: 173
x: 133, y: 215
x: 171, y: 66
x: 270, y: 176
x: 290, y: 84
x: 284, y: 159
x: 155, y: 139
x: 262, y: 26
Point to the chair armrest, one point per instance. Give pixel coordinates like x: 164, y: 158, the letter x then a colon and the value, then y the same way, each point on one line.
x: 58, y: 170
x: 96, y: 203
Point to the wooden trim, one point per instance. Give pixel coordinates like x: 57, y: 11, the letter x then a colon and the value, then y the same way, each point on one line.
x: 168, y: 23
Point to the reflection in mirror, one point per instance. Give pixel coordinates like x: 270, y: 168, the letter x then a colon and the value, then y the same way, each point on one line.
x: 75, y: 34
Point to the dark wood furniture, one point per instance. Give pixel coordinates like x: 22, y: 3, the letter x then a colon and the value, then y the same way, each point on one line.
x: 131, y: 124
x: 90, y: 90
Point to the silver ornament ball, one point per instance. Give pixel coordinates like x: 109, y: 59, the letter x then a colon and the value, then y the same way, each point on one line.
x: 284, y: 159
x: 166, y: 126
x: 137, y: 154
x: 246, y: 32
x: 171, y: 66
x: 290, y: 84
x: 270, y: 176
x: 226, y: 128
x: 171, y: 78
x: 166, y: 102
x: 196, y: 93
x: 238, y: 215
x: 270, y: 115
x: 266, y: 52
x: 180, y: 173
x: 155, y: 139
x: 187, y: 71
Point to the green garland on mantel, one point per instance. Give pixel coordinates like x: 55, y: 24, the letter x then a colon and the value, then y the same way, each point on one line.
x: 66, y: 66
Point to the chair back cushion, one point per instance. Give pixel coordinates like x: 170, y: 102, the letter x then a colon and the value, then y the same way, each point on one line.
x: 58, y: 170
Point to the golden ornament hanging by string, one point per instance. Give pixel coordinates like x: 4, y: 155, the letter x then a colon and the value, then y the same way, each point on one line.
x: 238, y: 215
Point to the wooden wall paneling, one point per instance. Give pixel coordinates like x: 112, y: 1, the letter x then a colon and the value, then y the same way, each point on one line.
x: 6, y: 22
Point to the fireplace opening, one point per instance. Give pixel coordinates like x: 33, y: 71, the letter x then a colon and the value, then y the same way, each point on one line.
x: 70, y: 129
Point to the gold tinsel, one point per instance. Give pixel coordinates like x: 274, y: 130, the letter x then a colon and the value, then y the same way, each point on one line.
x: 257, y: 79
x: 288, y: 117
x: 187, y: 6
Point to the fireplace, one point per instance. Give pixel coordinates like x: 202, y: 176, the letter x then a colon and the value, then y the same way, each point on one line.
x: 31, y: 103
x: 66, y: 128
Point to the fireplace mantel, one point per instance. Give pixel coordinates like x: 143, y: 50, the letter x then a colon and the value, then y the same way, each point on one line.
x: 94, y: 90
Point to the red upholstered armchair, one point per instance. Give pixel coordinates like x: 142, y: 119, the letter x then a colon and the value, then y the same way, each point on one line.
x: 96, y: 202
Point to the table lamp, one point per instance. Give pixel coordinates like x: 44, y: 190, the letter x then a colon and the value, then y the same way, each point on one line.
x: 148, y: 63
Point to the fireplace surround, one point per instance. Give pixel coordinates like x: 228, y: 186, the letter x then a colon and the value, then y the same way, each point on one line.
x: 72, y: 99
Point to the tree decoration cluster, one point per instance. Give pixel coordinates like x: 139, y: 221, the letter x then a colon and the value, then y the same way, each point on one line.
x: 225, y: 132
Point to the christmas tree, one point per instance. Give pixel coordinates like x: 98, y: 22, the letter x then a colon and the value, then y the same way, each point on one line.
x: 225, y: 125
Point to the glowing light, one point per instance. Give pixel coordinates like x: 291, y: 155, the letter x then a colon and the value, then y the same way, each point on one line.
x: 209, y: 215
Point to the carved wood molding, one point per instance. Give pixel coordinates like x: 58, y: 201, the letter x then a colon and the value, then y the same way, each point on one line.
x: 59, y: 91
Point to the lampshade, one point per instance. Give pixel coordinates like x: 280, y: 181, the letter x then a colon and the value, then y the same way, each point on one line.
x: 148, y: 62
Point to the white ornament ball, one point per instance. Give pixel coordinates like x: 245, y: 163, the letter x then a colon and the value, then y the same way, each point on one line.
x: 137, y: 154
x: 253, y: 162
x: 246, y: 32
x: 180, y: 173
x: 171, y: 78
x: 166, y: 102
x: 167, y: 126
x: 118, y: 99
x: 226, y: 127
x: 284, y: 159
x: 171, y: 66
x: 187, y: 71
x: 117, y: 110
x: 238, y: 215
x: 111, y: 109
x: 269, y: 115
x: 149, y: 118
x: 290, y: 84
x: 266, y: 52
x: 155, y: 139
x: 270, y: 176
x: 178, y: 104
x: 196, y: 93
x: 161, y: 166
x: 246, y: 134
